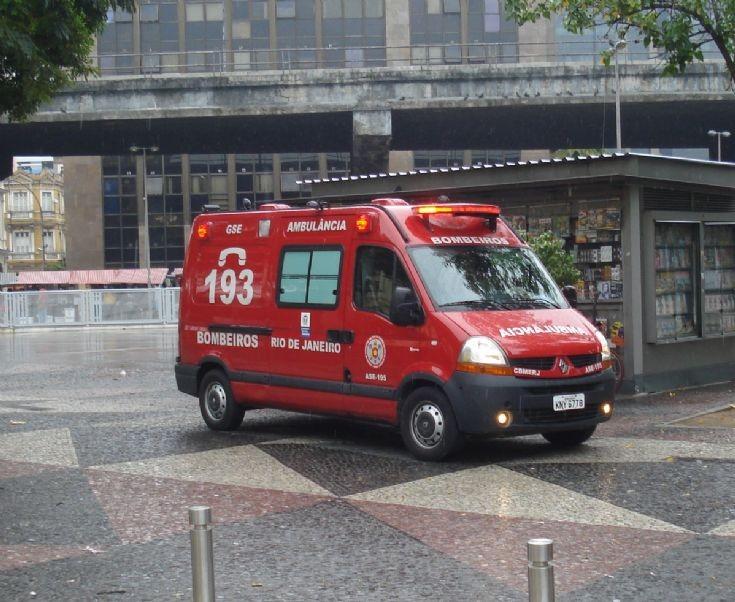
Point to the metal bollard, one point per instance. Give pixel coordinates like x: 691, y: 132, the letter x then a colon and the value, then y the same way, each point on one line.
x: 540, y: 570
x: 202, y: 553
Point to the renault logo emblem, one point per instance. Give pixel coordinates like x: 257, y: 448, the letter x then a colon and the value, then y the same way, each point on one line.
x: 563, y: 366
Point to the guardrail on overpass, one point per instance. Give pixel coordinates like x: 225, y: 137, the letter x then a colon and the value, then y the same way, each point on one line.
x: 355, y: 57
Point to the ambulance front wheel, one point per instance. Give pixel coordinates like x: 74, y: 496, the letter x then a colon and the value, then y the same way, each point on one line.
x: 569, y: 438
x: 428, y: 426
x: 217, y: 403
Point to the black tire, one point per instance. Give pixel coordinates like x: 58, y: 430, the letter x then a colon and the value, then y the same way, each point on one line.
x: 569, y: 438
x: 428, y: 426
x: 217, y: 403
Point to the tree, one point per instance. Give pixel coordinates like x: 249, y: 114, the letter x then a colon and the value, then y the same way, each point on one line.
x: 44, y: 45
x: 560, y: 263
x: 678, y: 28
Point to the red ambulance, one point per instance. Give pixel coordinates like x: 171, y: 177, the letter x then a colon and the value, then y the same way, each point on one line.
x: 435, y: 318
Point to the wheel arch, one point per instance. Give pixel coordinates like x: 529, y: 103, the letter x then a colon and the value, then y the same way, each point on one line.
x: 415, y: 381
x: 208, y: 364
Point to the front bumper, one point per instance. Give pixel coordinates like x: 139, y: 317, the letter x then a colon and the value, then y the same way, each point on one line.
x: 477, y: 398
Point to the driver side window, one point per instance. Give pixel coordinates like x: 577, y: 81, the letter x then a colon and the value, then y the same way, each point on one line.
x: 377, y: 272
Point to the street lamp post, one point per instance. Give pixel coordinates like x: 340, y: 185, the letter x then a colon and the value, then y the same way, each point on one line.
x: 720, y: 135
x: 617, y: 47
x: 154, y: 149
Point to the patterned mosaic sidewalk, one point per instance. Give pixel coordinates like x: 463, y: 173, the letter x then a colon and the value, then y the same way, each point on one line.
x: 94, y: 500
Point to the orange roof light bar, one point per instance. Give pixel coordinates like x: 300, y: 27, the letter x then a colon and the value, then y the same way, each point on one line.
x: 478, y: 210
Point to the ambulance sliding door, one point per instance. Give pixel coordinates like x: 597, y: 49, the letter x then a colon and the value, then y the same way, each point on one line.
x: 306, y: 367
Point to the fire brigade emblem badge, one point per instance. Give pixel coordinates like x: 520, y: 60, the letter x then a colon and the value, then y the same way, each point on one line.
x: 375, y: 351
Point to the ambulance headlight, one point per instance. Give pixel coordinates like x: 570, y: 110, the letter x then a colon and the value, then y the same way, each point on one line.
x: 603, y: 344
x: 482, y: 354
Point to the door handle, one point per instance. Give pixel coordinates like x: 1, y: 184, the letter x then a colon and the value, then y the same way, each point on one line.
x: 340, y: 336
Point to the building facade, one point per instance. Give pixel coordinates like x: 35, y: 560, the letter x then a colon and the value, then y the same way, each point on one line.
x: 35, y: 220
x: 106, y: 194
x: 3, y: 233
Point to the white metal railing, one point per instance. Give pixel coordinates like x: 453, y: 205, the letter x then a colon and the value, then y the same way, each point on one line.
x: 288, y: 59
x: 99, y: 307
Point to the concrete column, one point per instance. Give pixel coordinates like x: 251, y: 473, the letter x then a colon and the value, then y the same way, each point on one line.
x: 323, y: 173
x: 535, y: 42
x: 371, y: 138
x: 633, y: 283
x: 231, y: 183
x: 397, y: 32
x: 186, y: 192
x: 400, y: 161
x: 83, y: 204
x: 182, y: 35
x: 228, y: 57
x: 276, y: 177
x: 137, y: 59
x: 318, y: 18
x: 535, y: 154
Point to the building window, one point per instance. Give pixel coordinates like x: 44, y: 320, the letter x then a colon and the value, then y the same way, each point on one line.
x: 120, y: 208
x: 115, y: 44
x: 21, y: 202
x: 354, y: 33
x: 47, y: 201
x: 48, y: 241
x: 204, y: 35
x: 296, y: 34
x: 295, y: 167
x: 165, y: 210
x: 435, y: 32
x: 159, y: 36
x: 23, y: 242
x: 251, y: 35
x: 254, y: 180
x: 208, y: 182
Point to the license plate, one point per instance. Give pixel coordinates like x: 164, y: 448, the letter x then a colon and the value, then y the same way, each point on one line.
x: 574, y: 401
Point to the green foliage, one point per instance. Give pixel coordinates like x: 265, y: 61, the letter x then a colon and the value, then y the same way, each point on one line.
x: 44, y: 45
x: 550, y: 251
x: 677, y: 28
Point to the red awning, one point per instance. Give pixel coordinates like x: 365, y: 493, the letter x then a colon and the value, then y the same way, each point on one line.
x: 48, y: 277
x: 137, y: 276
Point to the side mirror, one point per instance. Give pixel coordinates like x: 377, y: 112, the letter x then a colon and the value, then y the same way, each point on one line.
x: 405, y: 310
x: 570, y: 294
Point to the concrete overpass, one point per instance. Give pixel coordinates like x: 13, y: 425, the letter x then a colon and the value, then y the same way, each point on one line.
x: 371, y: 111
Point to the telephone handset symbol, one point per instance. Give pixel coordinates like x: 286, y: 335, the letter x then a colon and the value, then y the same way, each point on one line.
x: 240, y: 253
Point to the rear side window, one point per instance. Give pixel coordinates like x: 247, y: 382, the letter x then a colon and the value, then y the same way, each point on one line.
x: 310, y: 277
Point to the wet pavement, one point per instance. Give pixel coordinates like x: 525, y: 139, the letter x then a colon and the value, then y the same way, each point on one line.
x: 100, y: 456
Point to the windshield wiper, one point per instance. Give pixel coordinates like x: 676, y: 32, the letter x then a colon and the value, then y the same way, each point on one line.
x: 476, y: 303
x: 535, y: 301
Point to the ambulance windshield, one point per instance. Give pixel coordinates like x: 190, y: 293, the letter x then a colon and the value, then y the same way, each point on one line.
x: 481, y: 277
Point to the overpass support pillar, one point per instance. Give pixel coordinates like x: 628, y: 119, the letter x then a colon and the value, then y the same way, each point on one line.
x: 371, y: 138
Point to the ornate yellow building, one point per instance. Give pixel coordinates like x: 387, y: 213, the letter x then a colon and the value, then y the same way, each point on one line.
x: 34, y: 220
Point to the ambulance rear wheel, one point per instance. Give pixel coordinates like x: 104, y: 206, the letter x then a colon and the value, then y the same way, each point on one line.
x: 428, y: 426
x: 217, y: 403
x: 569, y: 438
